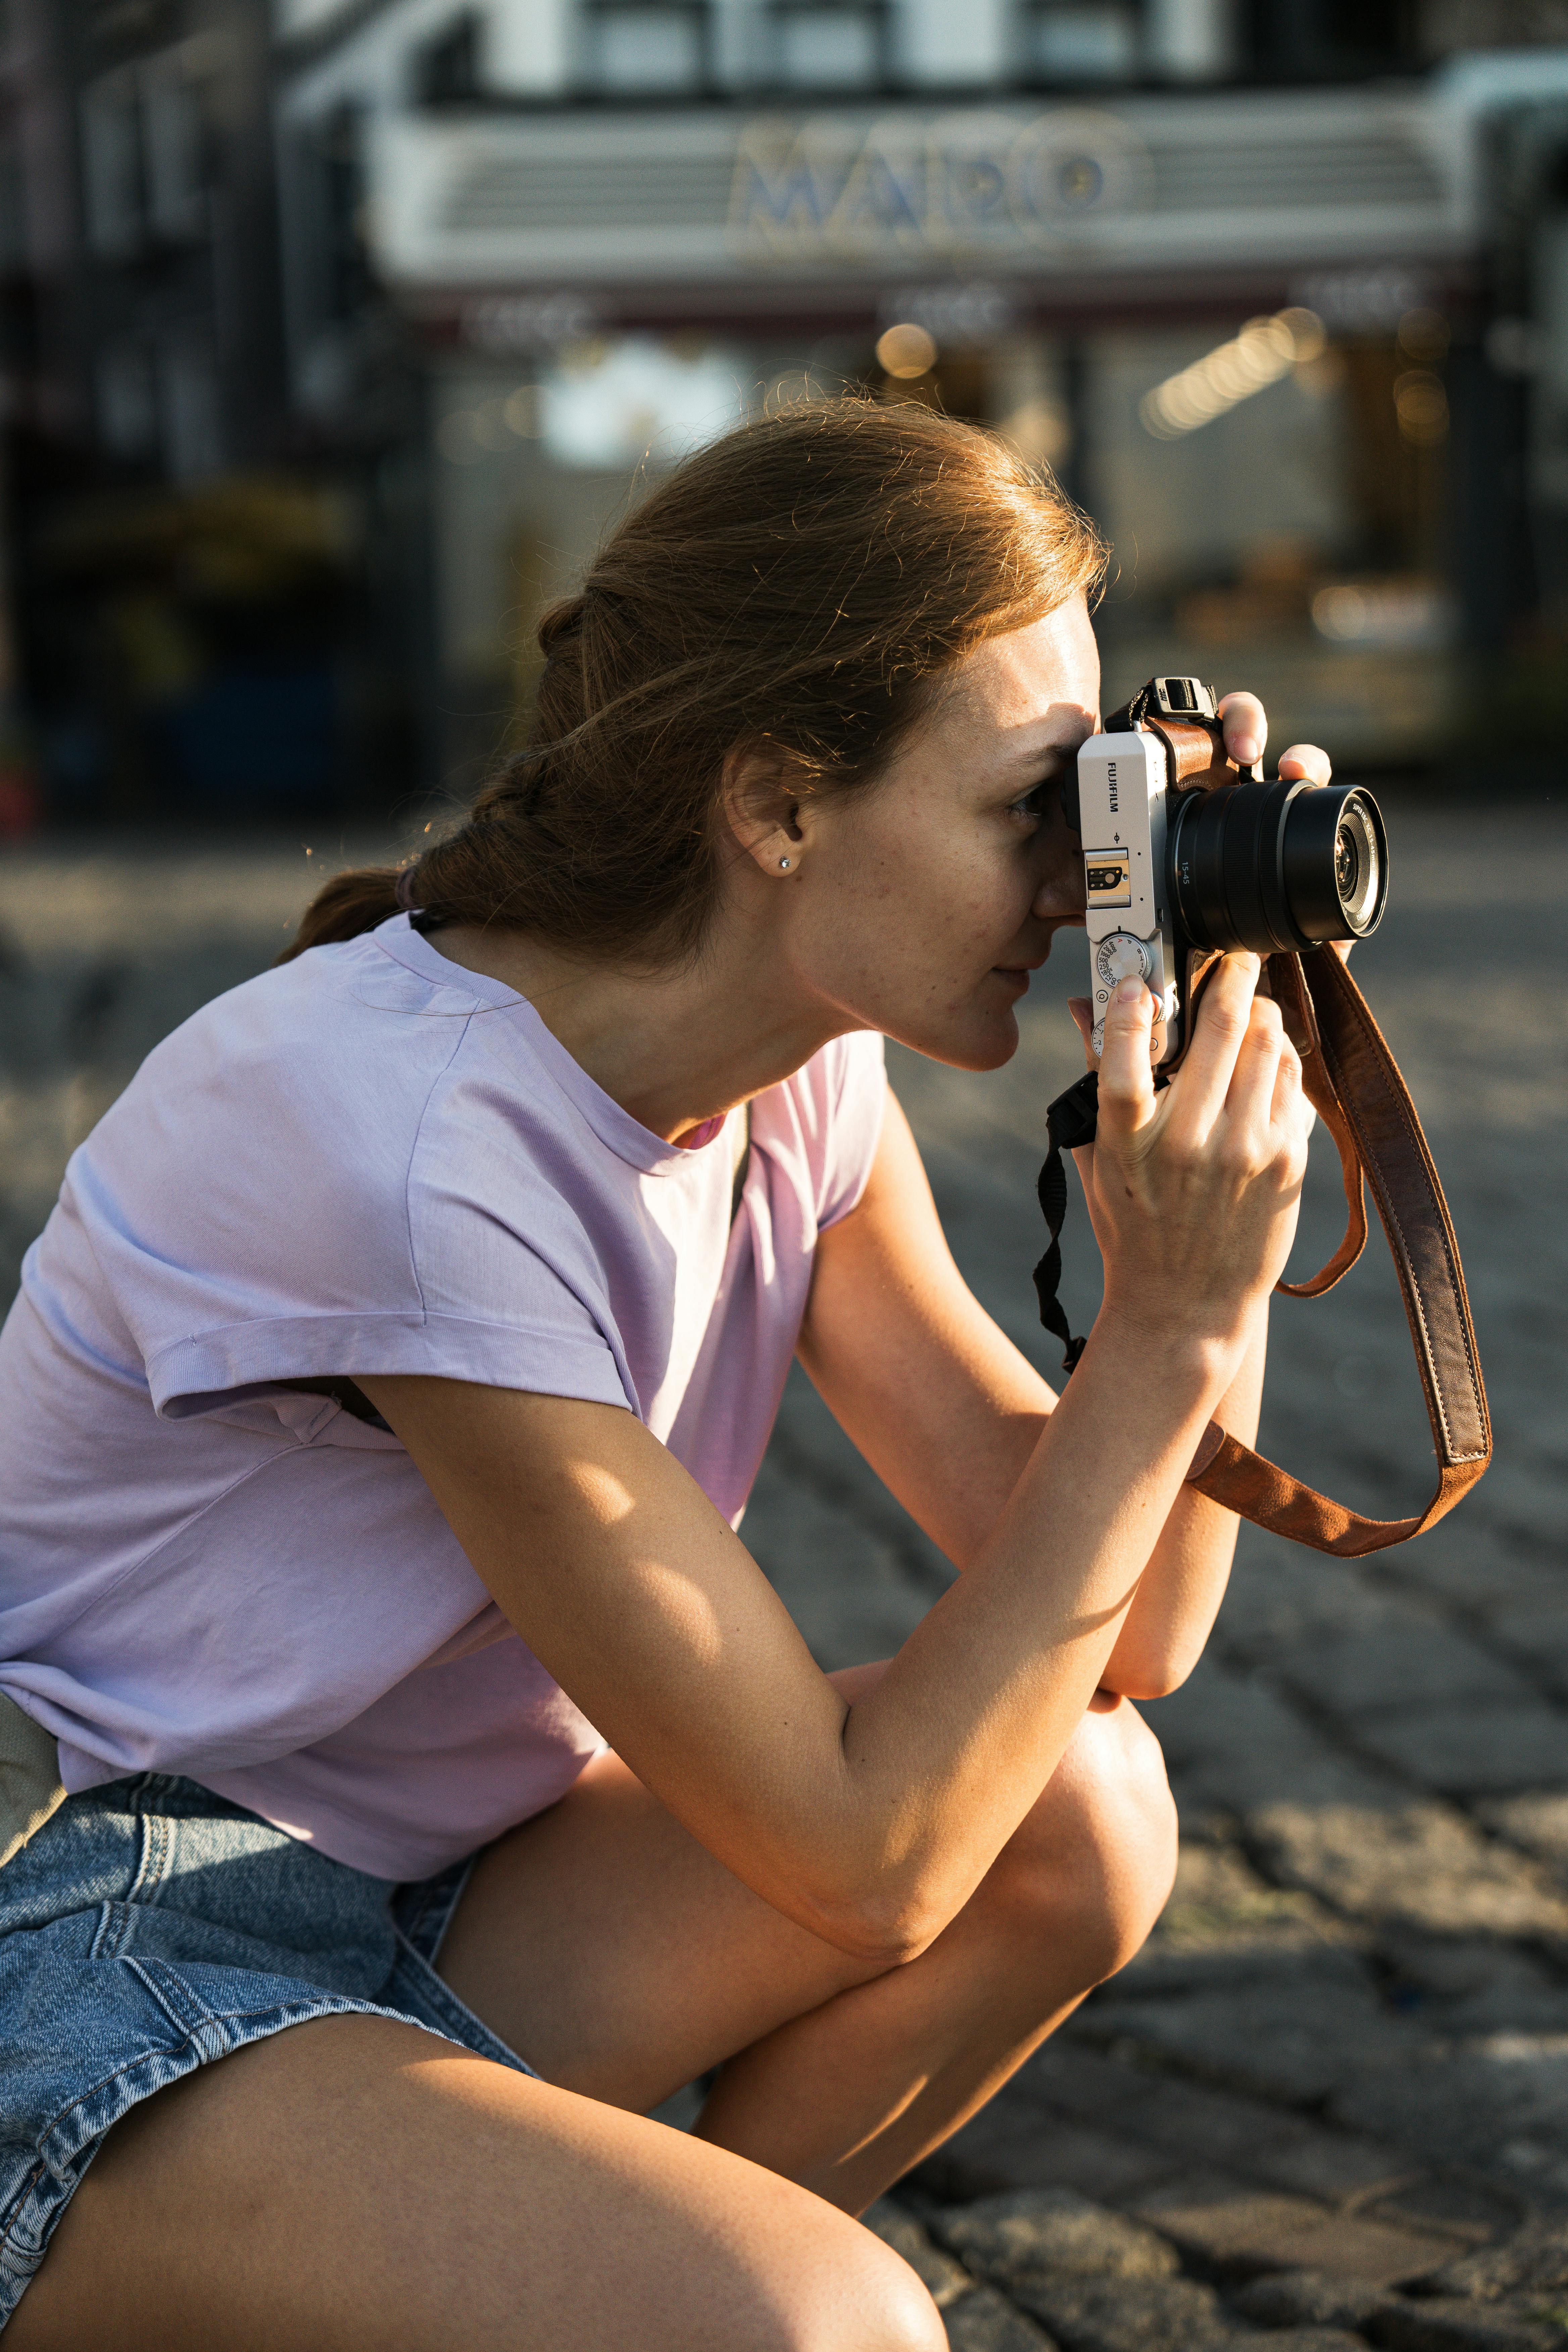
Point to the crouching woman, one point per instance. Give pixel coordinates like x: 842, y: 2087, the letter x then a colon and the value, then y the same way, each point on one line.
x: 447, y: 1785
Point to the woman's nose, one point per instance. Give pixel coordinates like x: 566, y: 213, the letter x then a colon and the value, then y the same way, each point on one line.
x: 1061, y: 891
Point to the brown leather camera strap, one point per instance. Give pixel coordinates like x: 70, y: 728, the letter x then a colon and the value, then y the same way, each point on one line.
x: 1351, y: 1079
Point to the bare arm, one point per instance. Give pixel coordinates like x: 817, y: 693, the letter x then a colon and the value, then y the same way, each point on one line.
x: 947, y: 1411
x: 873, y: 1823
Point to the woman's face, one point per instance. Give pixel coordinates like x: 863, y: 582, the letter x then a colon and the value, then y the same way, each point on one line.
x: 925, y: 902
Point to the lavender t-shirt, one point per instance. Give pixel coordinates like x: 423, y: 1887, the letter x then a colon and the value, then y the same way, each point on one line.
x: 369, y: 1161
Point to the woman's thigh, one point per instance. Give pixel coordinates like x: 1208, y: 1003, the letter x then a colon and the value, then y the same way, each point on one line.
x: 610, y: 1950
x: 354, y: 2183
x: 615, y: 1955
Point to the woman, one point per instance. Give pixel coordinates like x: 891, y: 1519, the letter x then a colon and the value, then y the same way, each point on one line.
x: 378, y: 1411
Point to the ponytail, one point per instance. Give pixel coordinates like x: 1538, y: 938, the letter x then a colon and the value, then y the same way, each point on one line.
x: 349, y: 904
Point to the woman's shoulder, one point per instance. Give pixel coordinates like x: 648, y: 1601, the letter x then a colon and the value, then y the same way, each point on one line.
x: 266, y: 1191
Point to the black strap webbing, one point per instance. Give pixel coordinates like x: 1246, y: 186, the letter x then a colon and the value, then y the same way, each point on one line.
x: 1070, y: 1121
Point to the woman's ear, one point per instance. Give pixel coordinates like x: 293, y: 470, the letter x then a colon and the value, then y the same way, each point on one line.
x: 761, y: 807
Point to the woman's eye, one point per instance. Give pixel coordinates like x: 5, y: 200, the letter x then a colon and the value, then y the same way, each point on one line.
x: 1032, y: 804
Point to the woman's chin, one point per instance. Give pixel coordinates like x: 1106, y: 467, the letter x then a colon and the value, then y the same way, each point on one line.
x: 982, y: 1043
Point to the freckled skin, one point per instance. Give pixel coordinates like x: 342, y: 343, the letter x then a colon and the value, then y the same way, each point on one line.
x: 935, y: 892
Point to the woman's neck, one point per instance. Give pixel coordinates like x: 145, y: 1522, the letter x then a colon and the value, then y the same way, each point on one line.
x: 674, y: 1045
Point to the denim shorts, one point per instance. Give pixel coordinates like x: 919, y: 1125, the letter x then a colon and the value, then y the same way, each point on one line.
x: 150, y: 1928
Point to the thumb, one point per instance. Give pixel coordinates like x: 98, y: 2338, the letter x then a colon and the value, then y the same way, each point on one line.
x: 1126, y: 1078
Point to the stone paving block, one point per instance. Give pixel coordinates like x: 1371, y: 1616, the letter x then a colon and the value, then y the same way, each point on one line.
x: 1475, y: 2210
x: 1538, y: 1822
x: 1417, y: 1861
x: 1306, y: 2298
x: 1230, y: 2230
x: 1334, y: 2166
x: 1015, y: 2145
x: 1499, y: 2103
x: 1221, y: 1909
x: 1532, y: 2261
x: 1396, y: 1667
x: 1230, y: 1742
x: 1522, y: 1489
x: 1200, y: 2128
x: 984, y: 2321
x: 1011, y: 2238
x: 943, y: 2279
x: 1467, y: 1561
x: 1473, y: 1749
x: 1537, y: 1635
x: 1440, y: 2325
x: 1067, y: 2078
x: 1472, y: 1987
x: 1304, y: 2340
x: 1293, y: 2030
x: 1090, y: 2315
x: 1281, y: 1596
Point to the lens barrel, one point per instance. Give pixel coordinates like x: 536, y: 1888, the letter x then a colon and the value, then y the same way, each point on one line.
x: 1278, y: 866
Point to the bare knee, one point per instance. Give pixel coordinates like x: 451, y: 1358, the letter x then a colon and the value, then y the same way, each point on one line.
x: 849, y: 2293
x: 1090, y: 1866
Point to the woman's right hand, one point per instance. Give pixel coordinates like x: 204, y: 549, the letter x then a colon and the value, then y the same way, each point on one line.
x: 1194, y: 1191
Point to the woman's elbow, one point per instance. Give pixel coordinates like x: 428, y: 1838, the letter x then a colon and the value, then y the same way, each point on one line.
x: 1156, y: 1676
x: 885, y: 1929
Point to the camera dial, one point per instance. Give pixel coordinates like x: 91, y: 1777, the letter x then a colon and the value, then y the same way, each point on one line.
x: 1122, y: 957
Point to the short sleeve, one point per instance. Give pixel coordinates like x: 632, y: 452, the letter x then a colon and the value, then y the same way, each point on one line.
x: 858, y: 1098
x: 308, y: 1179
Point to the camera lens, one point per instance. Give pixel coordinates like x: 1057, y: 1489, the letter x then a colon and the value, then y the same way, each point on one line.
x: 1336, y: 863
x: 1358, y: 868
x: 1278, y: 866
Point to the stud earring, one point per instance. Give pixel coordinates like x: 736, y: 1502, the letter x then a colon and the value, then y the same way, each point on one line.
x: 784, y: 864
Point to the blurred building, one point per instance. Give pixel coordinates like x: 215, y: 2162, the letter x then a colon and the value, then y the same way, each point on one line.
x: 190, y: 633
x: 1280, y: 287
x: 1274, y: 288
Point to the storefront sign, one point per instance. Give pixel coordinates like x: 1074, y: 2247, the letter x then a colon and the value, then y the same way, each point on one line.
x: 954, y: 184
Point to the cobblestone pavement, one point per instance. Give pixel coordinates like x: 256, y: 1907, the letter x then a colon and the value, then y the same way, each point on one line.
x: 1328, y: 2105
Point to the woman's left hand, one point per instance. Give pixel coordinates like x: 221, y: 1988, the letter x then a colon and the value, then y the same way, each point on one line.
x: 1246, y: 724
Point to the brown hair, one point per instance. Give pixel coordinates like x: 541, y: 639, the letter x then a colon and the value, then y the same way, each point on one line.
x: 801, y: 585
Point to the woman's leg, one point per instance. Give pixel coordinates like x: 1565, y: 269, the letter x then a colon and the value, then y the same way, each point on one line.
x: 621, y: 1960
x: 354, y: 2184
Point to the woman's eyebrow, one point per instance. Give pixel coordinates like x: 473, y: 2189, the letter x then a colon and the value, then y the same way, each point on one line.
x: 1058, y: 747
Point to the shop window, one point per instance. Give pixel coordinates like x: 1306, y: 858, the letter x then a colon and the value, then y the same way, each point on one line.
x: 447, y: 69
x: 830, y: 48
x: 13, y: 209
x: 635, y: 51
x: 1314, y: 39
x: 127, y: 400
x: 337, y: 161
x: 1066, y: 43
x: 192, y: 418
x: 178, y: 151
x: 112, y: 184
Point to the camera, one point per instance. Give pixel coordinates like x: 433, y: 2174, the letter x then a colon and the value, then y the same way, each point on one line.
x: 1185, y: 856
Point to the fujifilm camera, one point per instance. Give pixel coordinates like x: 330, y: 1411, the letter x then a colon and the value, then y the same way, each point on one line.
x: 1185, y: 854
